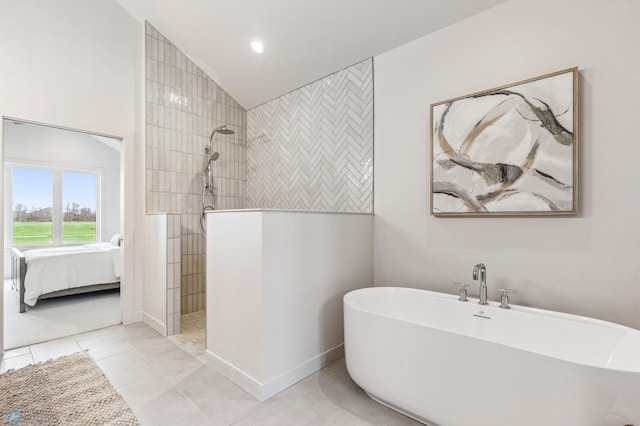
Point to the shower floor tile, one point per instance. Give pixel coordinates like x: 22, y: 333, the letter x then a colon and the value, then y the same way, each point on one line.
x: 192, y: 339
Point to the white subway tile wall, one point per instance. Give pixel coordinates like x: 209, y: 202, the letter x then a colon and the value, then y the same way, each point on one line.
x: 312, y: 149
x: 183, y: 106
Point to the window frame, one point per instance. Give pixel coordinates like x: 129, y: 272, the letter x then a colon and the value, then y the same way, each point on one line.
x: 57, y: 208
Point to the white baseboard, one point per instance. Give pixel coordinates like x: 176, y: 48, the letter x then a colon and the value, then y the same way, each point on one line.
x: 152, y: 322
x: 263, y: 391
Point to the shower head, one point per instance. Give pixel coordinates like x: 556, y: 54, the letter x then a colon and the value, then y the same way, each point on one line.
x: 222, y: 130
x: 212, y: 158
x: 225, y: 131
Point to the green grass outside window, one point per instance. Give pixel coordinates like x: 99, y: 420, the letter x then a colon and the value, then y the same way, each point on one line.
x: 38, y: 233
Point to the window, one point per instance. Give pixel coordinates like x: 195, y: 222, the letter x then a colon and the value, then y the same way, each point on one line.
x: 32, y: 206
x: 54, y: 206
x: 79, y: 203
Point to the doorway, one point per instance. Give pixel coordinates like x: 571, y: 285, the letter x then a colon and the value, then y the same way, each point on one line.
x: 62, y: 214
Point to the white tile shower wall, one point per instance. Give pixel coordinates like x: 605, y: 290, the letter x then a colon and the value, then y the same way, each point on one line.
x: 183, y: 106
x: 312, y: 149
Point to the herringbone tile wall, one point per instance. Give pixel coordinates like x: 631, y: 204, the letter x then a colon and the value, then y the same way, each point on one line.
x: 312, y: 149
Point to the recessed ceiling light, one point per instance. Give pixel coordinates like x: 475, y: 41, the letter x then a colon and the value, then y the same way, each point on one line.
x: 257, y: 46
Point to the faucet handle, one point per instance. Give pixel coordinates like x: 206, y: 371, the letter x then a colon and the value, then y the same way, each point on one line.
x: 504, y: 297
x: 463, y: 291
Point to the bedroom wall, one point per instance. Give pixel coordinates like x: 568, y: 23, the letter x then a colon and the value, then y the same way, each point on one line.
x: 79, y: 64
x: 587, y: 264
x: 38, y: 144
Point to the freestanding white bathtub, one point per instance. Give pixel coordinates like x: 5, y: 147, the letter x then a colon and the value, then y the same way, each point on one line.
x: 450, y: 363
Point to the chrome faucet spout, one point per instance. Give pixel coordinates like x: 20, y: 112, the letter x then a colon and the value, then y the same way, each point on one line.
x: 480, y: 273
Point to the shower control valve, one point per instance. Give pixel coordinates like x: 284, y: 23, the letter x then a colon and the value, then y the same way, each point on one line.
x: 504, y: 297
x: 463, y: 291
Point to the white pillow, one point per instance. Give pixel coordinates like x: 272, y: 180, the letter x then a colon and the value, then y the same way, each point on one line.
x: 116, y: 240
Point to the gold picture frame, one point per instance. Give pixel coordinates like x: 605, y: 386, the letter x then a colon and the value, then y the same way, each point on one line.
x: 507, y: 151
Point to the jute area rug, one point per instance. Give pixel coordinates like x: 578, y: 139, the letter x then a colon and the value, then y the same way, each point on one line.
x: 71, y: 390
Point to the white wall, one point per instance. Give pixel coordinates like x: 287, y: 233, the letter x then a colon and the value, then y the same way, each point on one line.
x: 70, y: 58
x: 587, y: 264
x: 79, y: 64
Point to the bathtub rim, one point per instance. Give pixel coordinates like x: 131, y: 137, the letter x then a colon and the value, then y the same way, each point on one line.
x: 494, y: 306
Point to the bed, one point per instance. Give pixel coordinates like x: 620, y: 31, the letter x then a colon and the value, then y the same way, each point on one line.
x: 62, y: 271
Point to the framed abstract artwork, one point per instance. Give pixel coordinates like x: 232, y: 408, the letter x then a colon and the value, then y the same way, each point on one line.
x: 511, y: 150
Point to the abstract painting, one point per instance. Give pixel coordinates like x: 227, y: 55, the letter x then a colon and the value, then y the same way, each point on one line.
x: 507, y: 151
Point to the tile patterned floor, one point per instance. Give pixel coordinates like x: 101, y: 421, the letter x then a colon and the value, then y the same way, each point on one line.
x: 166, y: 385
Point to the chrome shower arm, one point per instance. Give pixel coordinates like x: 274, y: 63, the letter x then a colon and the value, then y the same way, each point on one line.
x: 223, y: 130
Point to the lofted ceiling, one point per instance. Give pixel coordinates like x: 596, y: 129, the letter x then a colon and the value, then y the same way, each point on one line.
x: 304, y: 40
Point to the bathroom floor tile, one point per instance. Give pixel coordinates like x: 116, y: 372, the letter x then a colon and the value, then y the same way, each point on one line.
x: 133, y: 331
x: 164, y: 384
x: 25, y: 350
x: 104, y: 346
x: 15, y: 362
x: 54, y: 349
x: 154, y: 401
x: 301, y: 404
x: 266, y: 415
x: 221, y: 400
x: 196, y: 418
x: 151, y: 346
x: 175, y: 365
x: 93, y: 334
x: 339, y: 417
x: 125, y: 369
x: 192, y: 338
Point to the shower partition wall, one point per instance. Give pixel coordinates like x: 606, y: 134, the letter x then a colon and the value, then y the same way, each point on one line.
x: 275, y: 282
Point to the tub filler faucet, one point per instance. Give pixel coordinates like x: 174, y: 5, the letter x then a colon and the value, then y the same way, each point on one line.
x: 480, y: 273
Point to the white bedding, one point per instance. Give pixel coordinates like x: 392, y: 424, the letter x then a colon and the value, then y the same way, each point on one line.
x: 60, y: 268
